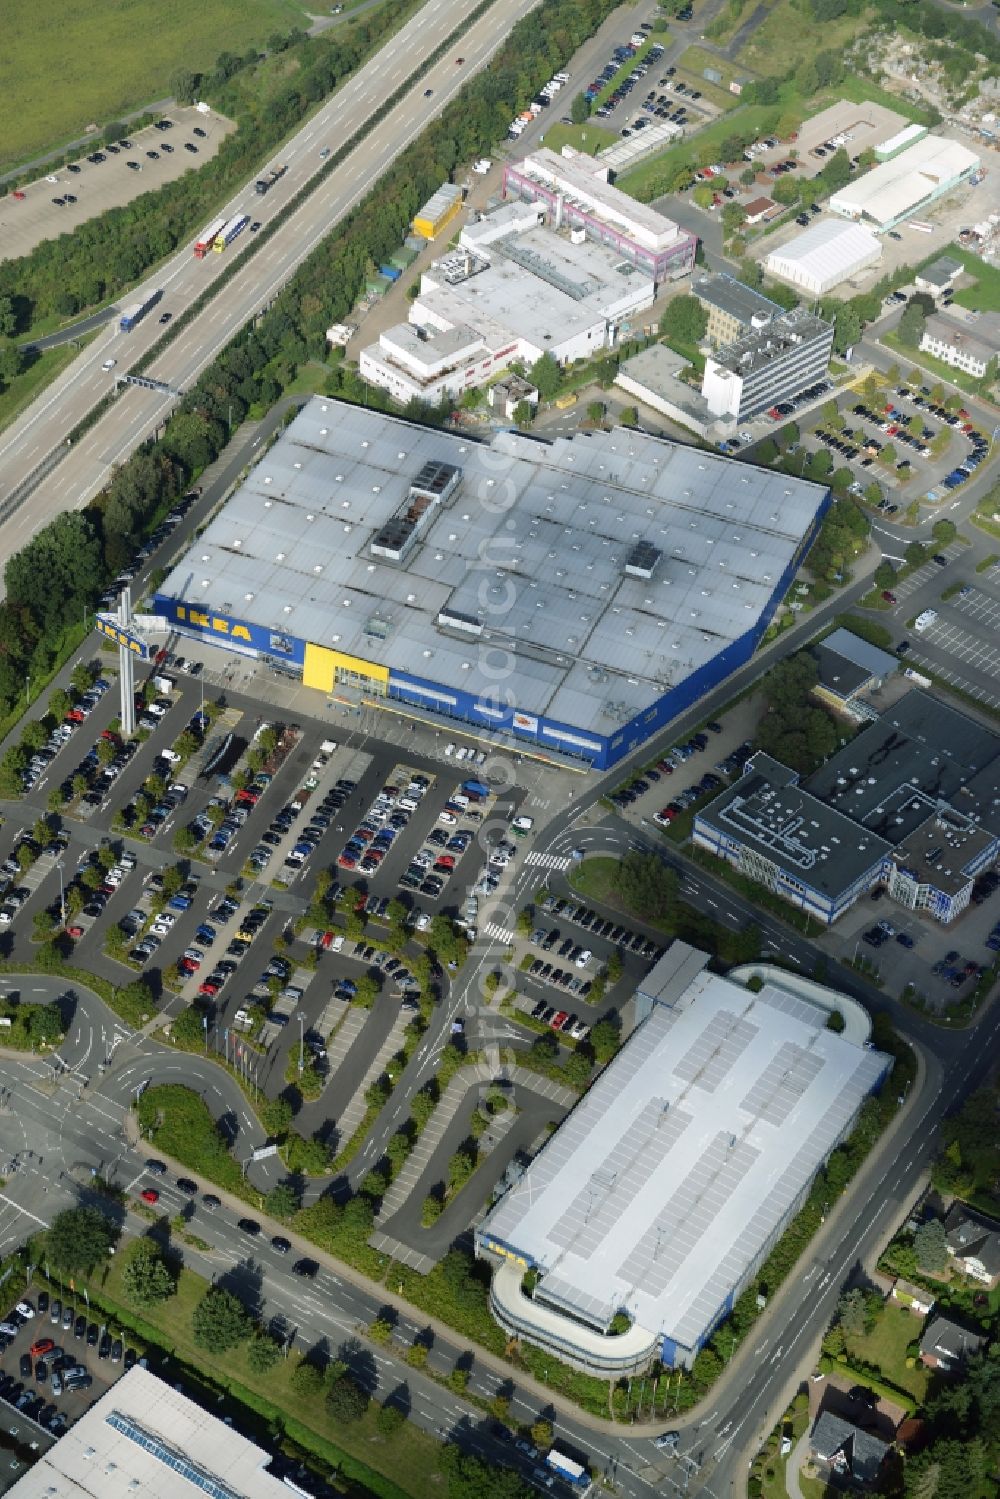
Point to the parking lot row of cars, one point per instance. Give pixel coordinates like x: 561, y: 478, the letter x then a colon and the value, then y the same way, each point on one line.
x: 785, y: 409
x: 664, y: 766
x: 960, y: 420
x: 114, y: 149
x: 444, y: 847
x: 560, y: 1020
x: 600, y: 926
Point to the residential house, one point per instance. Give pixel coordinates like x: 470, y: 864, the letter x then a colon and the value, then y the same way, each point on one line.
x: 974, y: 1244
x: 945, y: 1344
x: 844, y: 1450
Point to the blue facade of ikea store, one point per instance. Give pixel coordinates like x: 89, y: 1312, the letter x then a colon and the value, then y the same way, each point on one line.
x: 533, y: 732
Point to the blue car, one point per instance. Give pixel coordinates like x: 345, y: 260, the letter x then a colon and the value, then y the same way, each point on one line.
x: 206, y: 933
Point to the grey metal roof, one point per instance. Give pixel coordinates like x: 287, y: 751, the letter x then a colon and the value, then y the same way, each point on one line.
x: 532, y: 544
x: 759, y: 347
x: 875, y: 662
x: 660, y: 1188
x: 732, y: 297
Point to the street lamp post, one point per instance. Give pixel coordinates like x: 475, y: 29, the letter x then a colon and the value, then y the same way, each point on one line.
x: 62, y: 893
x: 302, y: 1054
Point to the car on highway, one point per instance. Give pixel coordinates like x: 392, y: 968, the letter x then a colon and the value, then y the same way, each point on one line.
x: 249, y: 1226
x: 165, y: 318
x: 109, y: 364
x: 428, y: 92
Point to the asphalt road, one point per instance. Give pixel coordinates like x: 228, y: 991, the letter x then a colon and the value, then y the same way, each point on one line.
x: 43, y: 426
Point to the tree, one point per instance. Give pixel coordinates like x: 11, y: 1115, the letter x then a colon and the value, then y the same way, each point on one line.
x: 912, y: 325
x: 307, y: 1379
x: 944, y: 531
x: 733, y: 215
x: 262, y: 1351
x: 685, y: 319
x: 146, y: 1279
x: 595, y: 412
x: 579, y: 110
x: 276, y: 1114
x: 605, y: 1038
x: 915, y: 553
x: 546, y: 377
x: 542, y: 1434
x: 79, y: 1238
x: 282, y: 1200
x: 390, y: 1418
x: 851, y: 1313
x: 524, y: 415
x: 930, y: 1243
x: 346, y: 1401
x: 220, y: 1321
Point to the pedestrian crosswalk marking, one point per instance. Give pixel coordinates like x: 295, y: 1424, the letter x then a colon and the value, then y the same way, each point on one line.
x: 498, y: 933
x: 549, y: 861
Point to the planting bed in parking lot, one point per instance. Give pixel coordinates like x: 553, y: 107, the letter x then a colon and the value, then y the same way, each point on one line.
x: 176, y: 1121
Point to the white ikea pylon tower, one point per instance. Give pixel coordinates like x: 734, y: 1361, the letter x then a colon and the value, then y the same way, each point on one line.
x: 126, y: 666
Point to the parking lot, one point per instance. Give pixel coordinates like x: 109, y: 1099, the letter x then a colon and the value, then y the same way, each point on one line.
x: 68, y: 196
x: 57, y: 1359
x: 959, y: 645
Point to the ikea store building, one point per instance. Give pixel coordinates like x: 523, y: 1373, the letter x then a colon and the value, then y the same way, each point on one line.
x: 565, y: 598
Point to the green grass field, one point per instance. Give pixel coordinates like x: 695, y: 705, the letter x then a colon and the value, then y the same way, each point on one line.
x: 23, y: 389
x: 786, y: 38
x: 94, y: 62
x: 589, y: 138
x: 985, y: 295
x: 885, y: 1347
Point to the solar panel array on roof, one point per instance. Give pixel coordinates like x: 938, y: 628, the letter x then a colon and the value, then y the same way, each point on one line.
x: 676, y: 1168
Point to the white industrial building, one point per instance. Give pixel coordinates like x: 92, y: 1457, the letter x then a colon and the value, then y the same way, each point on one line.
x: 512, y: 289
x: 666, y: 1187
x: 912, y: 178
x: 145, y: 1440
x: 823, y: 256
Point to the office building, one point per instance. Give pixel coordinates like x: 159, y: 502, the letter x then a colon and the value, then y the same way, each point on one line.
x: 823, y: 256
x: 911, y: 804
x: 575, y: 192
x: 732, y: 308
x: 657, y: 1199
x: 614, y: 577
x: 905, y: 184
x: 773, y: 362
x: 144, y: 1439
x: 939, y: 277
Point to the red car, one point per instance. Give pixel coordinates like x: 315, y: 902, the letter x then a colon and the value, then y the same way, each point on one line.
x: 210, y: 988
x: 445, y: 862
x: 75, y: 716
x: 347, y: 861
x: 43, y: 1346
x: 149, y: 1194
x: 18, y: 195
x: 558, y: 1020
x: 889, y: 597
x: 74, y: 931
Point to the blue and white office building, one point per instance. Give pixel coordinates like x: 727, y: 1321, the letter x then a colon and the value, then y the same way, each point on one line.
x: 566, y: 597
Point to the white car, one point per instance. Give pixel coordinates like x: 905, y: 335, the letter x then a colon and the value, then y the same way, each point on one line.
x: 109, y: 364
x: 423, y: 921
x: 447, y: 817
x: 524, y: 823
x: 925, y: 620
x: 25, y: 1309
x: 449, y: 750
x: 171, y: 756
x: 584, y: 958
x: 156, y: 710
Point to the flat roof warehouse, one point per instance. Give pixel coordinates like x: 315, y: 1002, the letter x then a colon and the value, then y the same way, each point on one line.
x: 526, y: 550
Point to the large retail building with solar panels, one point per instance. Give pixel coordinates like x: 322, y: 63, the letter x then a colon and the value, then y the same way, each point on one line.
x: 568, y: 598
x: 657, y: 1199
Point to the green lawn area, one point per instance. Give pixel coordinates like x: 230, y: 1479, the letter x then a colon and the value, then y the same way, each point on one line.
x: 176, y: 1121
x: 662, y: 166
x: 690, y: 70
x: 97, y: 61
x: 985, y: 295
x: 409, y: 1458
x: 589, y: 138
x: 787, y: 38
x: 24, y: 387
x: 885, y: 1347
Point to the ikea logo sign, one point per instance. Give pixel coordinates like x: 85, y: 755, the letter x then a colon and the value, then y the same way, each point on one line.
x: 220, y: 626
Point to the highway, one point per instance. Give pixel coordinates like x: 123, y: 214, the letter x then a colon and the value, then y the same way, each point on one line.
x: 137, y: 413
